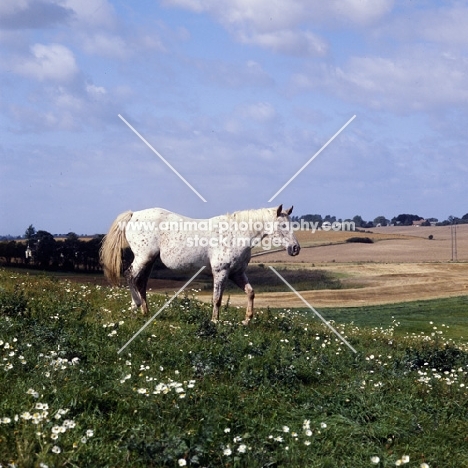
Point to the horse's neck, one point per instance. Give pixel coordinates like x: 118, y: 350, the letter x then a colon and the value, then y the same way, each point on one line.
x: 253, y: 218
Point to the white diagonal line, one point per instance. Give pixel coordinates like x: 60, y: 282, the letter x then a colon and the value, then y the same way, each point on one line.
x: 312, y: 158
x: 313, y: 310
x: 161, y: 157
x: 161, y: 309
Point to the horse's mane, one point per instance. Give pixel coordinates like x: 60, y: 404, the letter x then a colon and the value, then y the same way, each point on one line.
x: 263, y: 215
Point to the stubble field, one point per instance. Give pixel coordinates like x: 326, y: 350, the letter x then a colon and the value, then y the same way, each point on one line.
x: 402, y: 264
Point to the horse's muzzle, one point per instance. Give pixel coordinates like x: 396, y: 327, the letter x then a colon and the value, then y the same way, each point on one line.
x: 294, y: 250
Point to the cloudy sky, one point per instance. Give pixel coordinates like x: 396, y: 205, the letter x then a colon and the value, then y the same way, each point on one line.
x: 237, y: 95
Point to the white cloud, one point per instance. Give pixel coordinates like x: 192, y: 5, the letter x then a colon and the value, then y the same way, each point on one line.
x: 234, y: 75
x: 22, y: 14
x: 278, y: 14
x: 32, y: 14
x: 9, y: 7
x: 66, y: 101
x: 47, y: 62
x: 104, y: 44
x: 287, y: 27
x: 115, y: 46
x: 95, y: 91
x: 287, y: 42
x: 34, y: 120
x: 153, y: 42
x: 261, y: 111
x: 359, y: 12
x: 445, y: 26
x: 417, y: 79
x: 92, y: 13
x: 69, y: 106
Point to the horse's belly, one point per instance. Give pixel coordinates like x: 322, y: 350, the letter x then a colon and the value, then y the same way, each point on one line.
x: 180, y: 259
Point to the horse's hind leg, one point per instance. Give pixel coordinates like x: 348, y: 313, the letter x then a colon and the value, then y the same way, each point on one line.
x: 131, y: 282
x: 137, y: 278
x: 142, y: 283
x: 243, y: 282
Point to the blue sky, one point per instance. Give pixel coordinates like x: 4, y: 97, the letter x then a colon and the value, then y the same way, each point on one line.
x: 237, y: 95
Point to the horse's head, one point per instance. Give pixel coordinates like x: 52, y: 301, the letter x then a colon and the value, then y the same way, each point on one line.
x: 284, y: 232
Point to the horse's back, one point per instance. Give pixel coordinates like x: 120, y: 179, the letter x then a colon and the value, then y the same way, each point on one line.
x: 184, y: 243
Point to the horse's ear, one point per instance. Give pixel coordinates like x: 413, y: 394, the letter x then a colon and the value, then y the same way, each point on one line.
x: 289, y: 211
x: 279, y: 210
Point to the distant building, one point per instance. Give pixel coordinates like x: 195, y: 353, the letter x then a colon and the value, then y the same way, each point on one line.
x: 419, y: 223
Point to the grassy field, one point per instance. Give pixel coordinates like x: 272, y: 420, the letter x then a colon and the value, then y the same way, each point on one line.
x: 282, y: 392
x: 443, y: 317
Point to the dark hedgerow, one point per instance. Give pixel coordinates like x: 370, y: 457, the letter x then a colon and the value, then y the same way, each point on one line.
x: 361, y: 240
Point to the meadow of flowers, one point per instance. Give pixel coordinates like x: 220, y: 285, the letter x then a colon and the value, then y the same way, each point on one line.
x: 282, y: 392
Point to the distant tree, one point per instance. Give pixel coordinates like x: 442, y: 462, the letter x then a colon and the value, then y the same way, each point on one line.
x: 443, y: 223
x: 30, y: 232
x: 45, y: 249
x: 8, y: 251
x: 465, y: 216
x: 382, y: 220
x: 69, y: 251
x: 312, y: 218
x: 358, y: 221
x: 91, y: 249
x: 406, y: 219
x: 454, y: 220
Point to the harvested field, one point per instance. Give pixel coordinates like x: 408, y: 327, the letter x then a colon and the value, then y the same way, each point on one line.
x: 401, y: 265
x: 376, y: 284
x: 391, y: 244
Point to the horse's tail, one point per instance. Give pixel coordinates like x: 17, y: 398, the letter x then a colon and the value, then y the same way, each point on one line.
x: 112, y: 245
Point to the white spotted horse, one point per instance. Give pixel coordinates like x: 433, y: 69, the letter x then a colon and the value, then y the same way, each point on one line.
x: 223, y: 244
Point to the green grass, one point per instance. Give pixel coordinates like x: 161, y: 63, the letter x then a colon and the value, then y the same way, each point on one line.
x: 447, y: 317
x: 282, y: 392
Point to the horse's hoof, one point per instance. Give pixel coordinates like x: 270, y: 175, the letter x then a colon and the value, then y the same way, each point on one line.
x: 245, y: 322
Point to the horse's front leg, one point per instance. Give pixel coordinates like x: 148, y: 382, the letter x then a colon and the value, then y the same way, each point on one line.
x: 250, y: 303
x: 219, y: 283
x: 243, y: 282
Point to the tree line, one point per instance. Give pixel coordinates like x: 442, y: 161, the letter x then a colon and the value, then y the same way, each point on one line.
x: 40, y: 249
x: 400, y: 220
